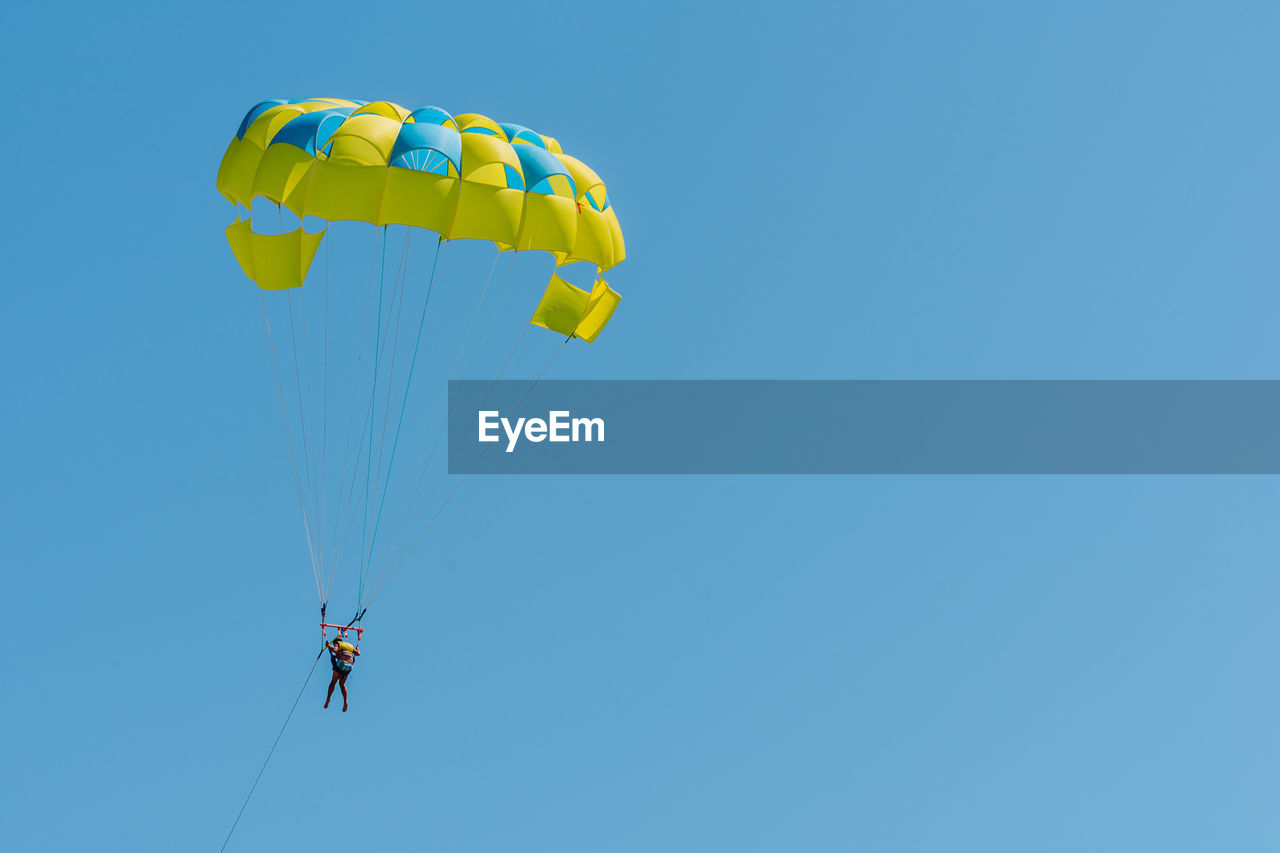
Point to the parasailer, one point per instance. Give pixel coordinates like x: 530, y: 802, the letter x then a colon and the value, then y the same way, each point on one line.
x: 342, y: 657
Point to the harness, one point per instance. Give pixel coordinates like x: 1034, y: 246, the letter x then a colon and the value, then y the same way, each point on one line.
x: 341, y: 661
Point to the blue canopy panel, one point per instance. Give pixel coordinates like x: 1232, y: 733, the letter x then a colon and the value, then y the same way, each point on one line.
x: 261, y: 107
x: 520, y: 133
x: 428, y: 148
x: 255, y: 111
x: 544, y: 173
x: 312, y: 131
x: 433, y: 115
x: 515, y: 181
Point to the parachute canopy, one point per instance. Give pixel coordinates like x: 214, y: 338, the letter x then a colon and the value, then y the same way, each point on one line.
x: 463, y: 177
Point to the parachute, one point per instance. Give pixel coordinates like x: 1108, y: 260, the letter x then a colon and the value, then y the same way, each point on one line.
x: 460, y: 177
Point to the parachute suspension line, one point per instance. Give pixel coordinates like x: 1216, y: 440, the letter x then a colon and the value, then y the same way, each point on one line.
x: 466, y: 371
x: 494, y: 383
x: 475, y: 313
x: 318, y: 558
x: 422, y: 508
x: 311, y: 463
x: 404, y: 403
x: 302, y: 411
x: 458, y: 485
x: 400, y: 286
x: 270, y: 752
x: 347, y: 512
x: 437, y: 425
x: 317, y: 549
x: 398, y: 295
x: 381, y: 334
x: 377, y: 352
x: 306, y: 370
x: 324, y: 418
x: 390, y: 340
x: 288, y: 431
x: 344, y: 504
x: 426, y: 502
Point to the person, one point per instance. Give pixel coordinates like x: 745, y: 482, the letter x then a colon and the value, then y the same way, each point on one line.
x: 342, y: 656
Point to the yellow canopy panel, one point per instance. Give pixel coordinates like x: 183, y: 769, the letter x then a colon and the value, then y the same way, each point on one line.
x: 576, y: 313
x: 273, y: 261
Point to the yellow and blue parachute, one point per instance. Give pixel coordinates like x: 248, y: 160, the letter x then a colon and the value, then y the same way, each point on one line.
x: 463, y: 177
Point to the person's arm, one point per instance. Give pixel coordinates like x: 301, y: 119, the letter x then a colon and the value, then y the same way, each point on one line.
x: 355, y: 652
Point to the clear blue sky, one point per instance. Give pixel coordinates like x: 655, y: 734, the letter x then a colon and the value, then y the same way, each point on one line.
x: 940, y: 190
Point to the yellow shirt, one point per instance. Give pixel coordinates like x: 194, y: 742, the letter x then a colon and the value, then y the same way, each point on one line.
x: 343, y: 647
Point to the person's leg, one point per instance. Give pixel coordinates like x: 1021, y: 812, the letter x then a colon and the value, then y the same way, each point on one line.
x: 342, y: 682
x: 329, y: 695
